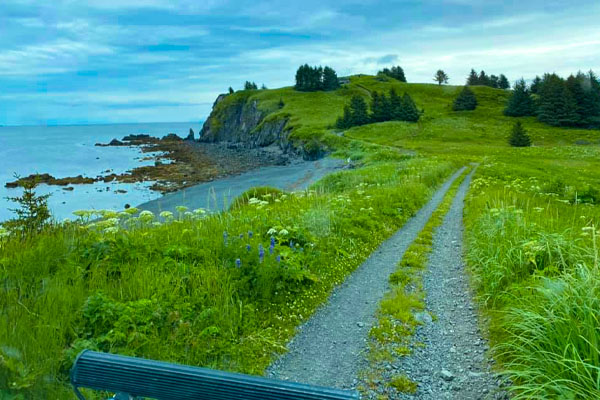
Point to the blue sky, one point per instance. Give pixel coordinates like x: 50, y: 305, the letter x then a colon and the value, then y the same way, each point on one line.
x: 103, y: 61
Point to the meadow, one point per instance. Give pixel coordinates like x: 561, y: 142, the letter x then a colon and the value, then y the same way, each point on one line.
x: 228, y: 290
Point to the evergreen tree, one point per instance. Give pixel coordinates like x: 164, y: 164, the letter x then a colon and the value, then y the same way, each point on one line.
x: 494, y: 81
x: 465, y: 101
x: 440, y: 77
x: 250, y: 86
x: 503, y: 82
x: 396, y: 72
x: 263, y: 87
x: 231, y: 91
x: 519, y: 136
x: 520, y: 102
x: 395, y: 103
x: 280, y: 104
x: 574, y: 85
x: 473, y: 79
x: 409, y: 110
x: 380, y: 108
x: 359, y: 114
x: 33, y: 213
x: 483, y: 79
x: 591, y: 103
x: 536, y: 85
x: 345, y: 121
x: 330, y: 79
x: 557, y: 107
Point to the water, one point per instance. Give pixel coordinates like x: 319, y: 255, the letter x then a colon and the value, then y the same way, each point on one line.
x: 64, y: 151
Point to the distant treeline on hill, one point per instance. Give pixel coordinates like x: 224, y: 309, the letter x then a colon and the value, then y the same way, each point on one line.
x: 498, y: 82
x: 571, y: 102
x: 395, y: 72
x: 312, y: 79
x: 392, y: 107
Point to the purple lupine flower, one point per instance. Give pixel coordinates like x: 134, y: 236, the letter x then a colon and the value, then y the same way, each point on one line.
x: 272, y: 241
x: 225, y: 237
x: 291, y: 244
x: 271, y: 249
x: 248, y: 247
x: 250, y: 234
x: 241, y: 235
x: 238, y: 263
x: 261, y: 252
x: 278, y: 258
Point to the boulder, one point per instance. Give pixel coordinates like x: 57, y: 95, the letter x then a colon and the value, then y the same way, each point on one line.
x: 171, y: 137
x: 115, y: 142
x: 190, y: 136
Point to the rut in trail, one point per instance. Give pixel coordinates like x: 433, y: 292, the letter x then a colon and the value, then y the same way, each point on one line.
x: 327, y: 349
x: 453, y: 363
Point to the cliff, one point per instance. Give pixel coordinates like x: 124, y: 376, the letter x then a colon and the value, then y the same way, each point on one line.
x: 237, y: 118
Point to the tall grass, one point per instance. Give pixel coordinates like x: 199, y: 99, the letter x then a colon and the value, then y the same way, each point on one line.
x: 533, y: 255
x: 193, y: 288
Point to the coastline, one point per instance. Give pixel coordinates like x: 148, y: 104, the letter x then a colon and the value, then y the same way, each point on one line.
x: 218, y: 194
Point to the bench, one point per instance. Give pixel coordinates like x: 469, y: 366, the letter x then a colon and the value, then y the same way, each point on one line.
x: 131, y: 378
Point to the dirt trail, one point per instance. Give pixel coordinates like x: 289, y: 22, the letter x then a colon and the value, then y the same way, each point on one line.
x: 453, y: 363
x: 328, y: 348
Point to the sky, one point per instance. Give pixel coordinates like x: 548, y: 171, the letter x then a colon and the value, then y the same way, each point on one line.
x: 112, y: 61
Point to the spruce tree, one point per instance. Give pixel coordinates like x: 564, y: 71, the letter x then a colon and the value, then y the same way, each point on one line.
x: 484, y: 79
x: 473, y: 79
x: 441, y: 77
x: 377, y: 107
x: 591, y: 103
x: 465, y: 101
x: 345, y: 121
x: 535, y: 85
x: 330, y: 79
x: 409, y: 110
x: 557, y: 107
x: 359, y: 114
x: 503, y: 82
x: 231, y: 91
x: 519, y: 136
x: 494, y: 81
x: 574, y: 85
x: 395, y: 104
x: 396, y: 72
x: 520, y: 102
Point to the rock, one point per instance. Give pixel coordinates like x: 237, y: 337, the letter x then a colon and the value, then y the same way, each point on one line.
x: 446, y: 375
x: 127, y: 206
x: 171, y: 137
x: 424, y: 317
x: 190, y: 136
x: 360, y: 324
x: 115, y: 142
x: 69, y: 188
x: 121, y: 191
x: 131, y: 138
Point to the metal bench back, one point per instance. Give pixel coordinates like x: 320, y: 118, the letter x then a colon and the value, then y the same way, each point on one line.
x: 139, y: 377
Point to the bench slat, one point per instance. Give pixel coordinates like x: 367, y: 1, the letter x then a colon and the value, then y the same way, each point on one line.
x: 166, y: 381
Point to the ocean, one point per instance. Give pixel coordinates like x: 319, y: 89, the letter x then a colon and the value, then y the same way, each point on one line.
x: 65, y: 151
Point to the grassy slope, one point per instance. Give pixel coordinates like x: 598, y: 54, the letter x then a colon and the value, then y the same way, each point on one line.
x: 209, y: 314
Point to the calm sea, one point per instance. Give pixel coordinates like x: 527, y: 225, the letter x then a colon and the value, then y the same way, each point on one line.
x: 64, y: 151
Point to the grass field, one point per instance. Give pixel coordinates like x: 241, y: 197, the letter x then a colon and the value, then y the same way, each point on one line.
x: 174, y: 290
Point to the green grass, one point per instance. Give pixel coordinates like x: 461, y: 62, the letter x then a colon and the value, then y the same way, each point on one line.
x: 172, y: 291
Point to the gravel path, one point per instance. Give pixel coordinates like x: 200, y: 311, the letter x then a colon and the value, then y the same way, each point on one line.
x: 453, y: 362
x: 217, y: 195
x: 328, y: 348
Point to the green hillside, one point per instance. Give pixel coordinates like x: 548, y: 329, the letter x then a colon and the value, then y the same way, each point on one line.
x: 194, y: 288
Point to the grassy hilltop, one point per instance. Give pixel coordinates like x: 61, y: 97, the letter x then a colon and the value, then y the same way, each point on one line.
x: 196, y: 288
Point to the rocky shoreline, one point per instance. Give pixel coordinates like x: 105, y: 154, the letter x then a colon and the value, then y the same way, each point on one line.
x: 178, y: 163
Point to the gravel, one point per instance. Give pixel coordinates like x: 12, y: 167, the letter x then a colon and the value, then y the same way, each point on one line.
x: 453, y: 364
x: 329, y: 348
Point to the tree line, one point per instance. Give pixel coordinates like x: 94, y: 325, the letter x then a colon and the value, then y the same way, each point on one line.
x: 391, y: 107
x: 571, y: 102
x: 312, y: 79
x: 395, y: 72
x: 497, y: 82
